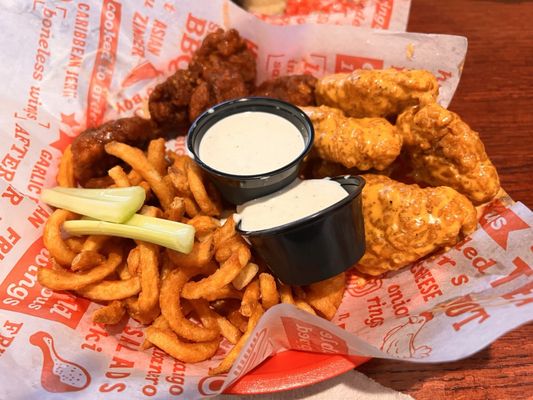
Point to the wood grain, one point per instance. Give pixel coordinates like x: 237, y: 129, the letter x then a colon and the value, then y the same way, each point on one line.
x: 495, y: 96
x: 501, y: 371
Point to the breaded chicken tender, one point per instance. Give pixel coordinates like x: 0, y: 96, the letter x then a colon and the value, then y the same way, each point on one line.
x: 363, y: 143
x: 316, y: 168
x: 405, y: 222
x: 444, y: 150
x: 376, y: 93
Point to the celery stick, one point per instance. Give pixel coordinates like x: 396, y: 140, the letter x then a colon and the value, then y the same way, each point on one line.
x: 112, y: 205
x: 170, y: 234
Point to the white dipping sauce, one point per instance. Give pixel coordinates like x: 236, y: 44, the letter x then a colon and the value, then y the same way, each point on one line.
x: 250, y: 143
x: 294, y: 202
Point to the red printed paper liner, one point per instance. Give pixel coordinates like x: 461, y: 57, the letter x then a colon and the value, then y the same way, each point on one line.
x: 295, y: 369
x: 444, y: 308
x: 375, y: 14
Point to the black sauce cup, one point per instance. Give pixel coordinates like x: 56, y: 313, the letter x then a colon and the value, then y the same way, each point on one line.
x: 238, y: 189
x: 318, y: 246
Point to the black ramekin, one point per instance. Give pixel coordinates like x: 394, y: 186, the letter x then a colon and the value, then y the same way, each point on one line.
x: 238, y: 189
x: 316, y: 247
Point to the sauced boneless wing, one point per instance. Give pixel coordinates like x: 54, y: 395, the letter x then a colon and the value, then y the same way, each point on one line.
x: 362, y: 143
x: 444, y: 150
x: 169, y: 102
x: 224, y: 50
x: 88, y: 149
x: 295, y: 89
x: 405, y: 222
x: 222, y: 68
x: 376, y: 93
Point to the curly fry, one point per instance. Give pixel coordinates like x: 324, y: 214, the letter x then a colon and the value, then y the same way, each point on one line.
x: 199, y: 191
x: 250, y: 298
x: 52, y: 237
x: 119, y: 176
x: 224, y: 275
x: 185, y: 352
x: 200, y: 255
x: 110, y: 314
x: 146, y: 307
x: 65, y: 174
x: 65, y: 280
x: 210, y: 317
x: 111, y: 290
x: 230, y: 358
x: 269, y: 293
x: 326, y: 296
x: 156, y: 155
x: 171, y: 310
x: 94, y: 242
x: 140, y: 163
x: 87, y: 259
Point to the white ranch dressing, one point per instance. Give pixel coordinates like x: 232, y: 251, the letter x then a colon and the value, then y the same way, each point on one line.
x: 250, y: 143
x: 295, y: 201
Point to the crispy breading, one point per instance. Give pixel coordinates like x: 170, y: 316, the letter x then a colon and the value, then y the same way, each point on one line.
x: 363, y: 143
x: 404, y: 223
x: 376, y: 93
x: 444, y: 150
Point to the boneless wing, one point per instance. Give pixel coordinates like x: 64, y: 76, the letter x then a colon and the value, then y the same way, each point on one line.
x: 405, y: 222
x: 363, y: 143
x: 88, y: 148
x: 295, y: 89
x: 444, y: 150
x: 376, y: 93
x: 223, y: 68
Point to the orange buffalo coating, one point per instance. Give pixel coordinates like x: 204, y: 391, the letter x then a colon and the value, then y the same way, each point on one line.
x: 376, y: 93
x: 444, y: 150
x: 361, y: 143
x: 404, y: 223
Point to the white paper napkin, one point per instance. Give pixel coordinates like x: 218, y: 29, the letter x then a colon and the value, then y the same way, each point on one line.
x: 352, y: 385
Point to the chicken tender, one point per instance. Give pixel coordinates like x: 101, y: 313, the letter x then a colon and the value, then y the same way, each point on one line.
x: 316, y: 168
x: 444, y: 150
x: 376, y: 93
x: 295, y: 89
x: 362, y: 143
x: 405, y: 222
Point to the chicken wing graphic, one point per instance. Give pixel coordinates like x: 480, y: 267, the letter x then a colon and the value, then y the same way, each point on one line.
x: 400, y: 340
x: 58, y: 375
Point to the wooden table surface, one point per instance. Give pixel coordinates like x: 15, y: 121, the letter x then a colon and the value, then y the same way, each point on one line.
x: 495, y: 96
